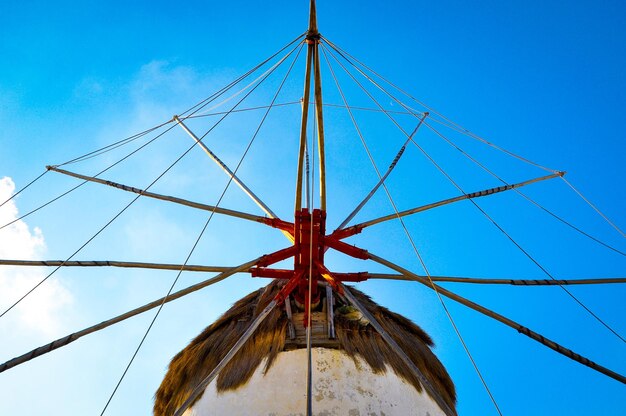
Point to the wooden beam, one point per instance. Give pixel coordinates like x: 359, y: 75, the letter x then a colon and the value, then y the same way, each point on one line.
x: 205, y: 207
x: 312, y: 17
x: 113, y: 263
x: 478, y: 194
x: 382, y: 179
x: 320, y: 126
x: 199, y: 389
x: 514, y: 282
x: 61, y: 342
x: 290, y: 327
x: 500, y: 318
x: 330, y: 310
x: 227, y: 170
x: 303, y: 126
x: 432, y: 392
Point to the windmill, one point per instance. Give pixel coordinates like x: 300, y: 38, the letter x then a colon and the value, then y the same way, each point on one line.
x: 331, y: 242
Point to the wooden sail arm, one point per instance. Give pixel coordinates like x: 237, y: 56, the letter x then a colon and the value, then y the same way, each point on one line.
x: 61, y: 342
x: 355, y: 229
x: 311, y: 34
x: 303, y: 128
x: 500, y: 318
x: 312, y: 68
x: 273, y: 222
x: 432, y: 392
x: 319, y: 113
x: 284, y: 273
x: 199, y: 389
x: 227, y: 170
x: 113, y: 263
x: 312, y: 19
x: 363, y: 276
x: 277, y: 300
x: 489, y: 281
x: 382, y: 179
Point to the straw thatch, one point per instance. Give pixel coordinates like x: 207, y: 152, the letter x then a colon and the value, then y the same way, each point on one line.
x: 355, y: 337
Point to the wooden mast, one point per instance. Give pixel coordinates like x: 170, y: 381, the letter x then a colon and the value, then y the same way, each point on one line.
x: 312, y: 62
x: 314, y: 38
x: 303, y: 124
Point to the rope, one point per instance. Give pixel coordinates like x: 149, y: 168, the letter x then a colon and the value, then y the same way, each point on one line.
x: 572, y: 226
x: 489, y: 171
x: 85, y: 181
x: 208, y: 100
x: 23, y: 189
x: 543, y: 269
x: 203, y: 103
x: 206, y: 224
x: 115, y: 145
x: 594, y: 207
x: 200, y: 388
x: 421, y: 260
x: 61, y: 342
x: 410, y: 111
x: 241, y: 91
x: 381, y: 179
x: 506, y: 321
x: 358, y: 130
x: 134, y: 200
x: 526, y: 253
x: 426, y: 384
x: 242, y: 110
x: 373, y: 110
x: 459, y: 128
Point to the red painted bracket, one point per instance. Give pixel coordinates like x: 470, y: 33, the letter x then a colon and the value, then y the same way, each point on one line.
x: 288, y: 288
x: 352, y: 277
x: 329, y: 277
x: 351, y: 251
x: 280, y: 224
x: 272, y: 273
x: 346, y: 232
x: 277, y: 256
x: 310, y: 243
x: 288, y: 274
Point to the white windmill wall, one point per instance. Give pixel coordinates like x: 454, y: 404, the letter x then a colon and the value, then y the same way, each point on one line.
x: 339, y: 388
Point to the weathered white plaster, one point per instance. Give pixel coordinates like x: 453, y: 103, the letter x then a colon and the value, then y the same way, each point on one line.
x: 339, y: 388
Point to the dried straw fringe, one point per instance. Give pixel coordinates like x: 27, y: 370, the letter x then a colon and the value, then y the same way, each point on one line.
x: 203, y: 354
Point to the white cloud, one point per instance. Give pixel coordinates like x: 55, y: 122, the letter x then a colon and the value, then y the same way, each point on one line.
x: 42, y: 310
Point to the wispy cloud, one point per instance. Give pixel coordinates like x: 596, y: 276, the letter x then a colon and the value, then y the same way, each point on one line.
x: 161, y: 87
x: 89, y: 88
x: 40, y: 312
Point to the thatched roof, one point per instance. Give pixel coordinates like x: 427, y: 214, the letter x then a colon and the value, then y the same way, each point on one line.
x: 202, y: 355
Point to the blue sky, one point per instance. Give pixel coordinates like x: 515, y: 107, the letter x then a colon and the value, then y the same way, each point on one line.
x: 542, y: 79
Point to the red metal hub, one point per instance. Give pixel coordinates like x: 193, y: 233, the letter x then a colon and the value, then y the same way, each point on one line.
x: 310, y: 244
x: 309, y: 231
